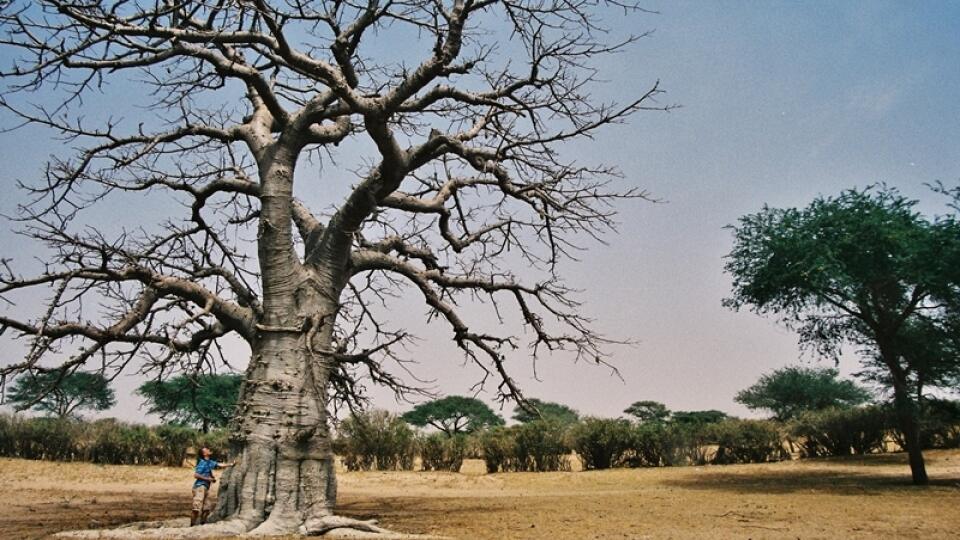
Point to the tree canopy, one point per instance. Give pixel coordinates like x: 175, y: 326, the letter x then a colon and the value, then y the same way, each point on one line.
x: 453, y: 415
x: 711, y: 416
x: 537, y: 409
x: 203, y: 400
x: 789, y: 391
x: 863, y: 268
x: 648, y: 411
x: 63, y: 395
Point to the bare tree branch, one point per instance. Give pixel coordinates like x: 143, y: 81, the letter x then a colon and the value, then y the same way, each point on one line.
x: 465, y: 173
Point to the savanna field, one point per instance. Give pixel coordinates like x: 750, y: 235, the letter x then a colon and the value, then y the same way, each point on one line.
x: 247, y: 244
x: 857, y: 497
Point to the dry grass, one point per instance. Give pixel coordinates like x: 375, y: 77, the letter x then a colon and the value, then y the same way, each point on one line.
x: 848, y: 498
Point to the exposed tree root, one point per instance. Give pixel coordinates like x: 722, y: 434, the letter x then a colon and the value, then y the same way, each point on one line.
x: 179, y: 529
x: 346, y: 527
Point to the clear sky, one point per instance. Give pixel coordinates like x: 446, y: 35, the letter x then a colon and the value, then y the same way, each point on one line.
x: 781, y: 101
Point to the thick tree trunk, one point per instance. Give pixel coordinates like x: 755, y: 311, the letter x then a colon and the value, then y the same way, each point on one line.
x: 906, y: 415
x: 284, y: 479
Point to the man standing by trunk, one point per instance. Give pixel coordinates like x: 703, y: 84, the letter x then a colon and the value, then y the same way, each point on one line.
x: 203, y: 475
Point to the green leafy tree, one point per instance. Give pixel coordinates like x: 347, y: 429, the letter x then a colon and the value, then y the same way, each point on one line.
x: 204, y: 401
x: 453, y: 415
x: 931, y: 347
x: 862, y: 268
x: 792, y: 390
x: 537, y: 409
x: 648, y: 411
x: 711, y: 416
x: 62, y: 395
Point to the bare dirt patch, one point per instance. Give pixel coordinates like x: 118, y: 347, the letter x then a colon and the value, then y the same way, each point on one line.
x: 851, y: 498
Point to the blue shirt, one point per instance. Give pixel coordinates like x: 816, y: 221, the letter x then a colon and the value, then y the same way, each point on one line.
x: 205, y: 467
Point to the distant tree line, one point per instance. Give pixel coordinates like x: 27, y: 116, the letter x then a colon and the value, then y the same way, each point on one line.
x: 813, y: 413
x: 107, y: 441
x: 196, y: 410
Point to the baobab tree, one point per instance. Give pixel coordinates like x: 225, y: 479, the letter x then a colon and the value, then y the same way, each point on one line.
x: 460, y: 110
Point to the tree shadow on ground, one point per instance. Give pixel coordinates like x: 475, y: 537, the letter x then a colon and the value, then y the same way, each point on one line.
x: 805, y: 479
x: 411, y: 515
x: 67, y: 511
x: 868, y: 460
x: 372, y: 506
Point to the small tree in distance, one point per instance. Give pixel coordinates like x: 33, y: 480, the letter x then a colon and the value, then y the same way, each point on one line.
x: 203, y: 401
x: 711, y: 416
x: 545, y: 410
x: 648, y: 411
x: 792, y: 390
x: 453, y: 415
x: 62, y: 395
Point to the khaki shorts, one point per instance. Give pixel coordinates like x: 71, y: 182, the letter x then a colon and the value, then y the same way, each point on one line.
x: 202, y: 500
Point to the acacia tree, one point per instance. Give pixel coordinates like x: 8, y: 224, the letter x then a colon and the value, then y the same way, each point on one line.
x: 63, y: 395
x: 462, y: 173
x: 789, y: 391
x: 648, y: 411
x: 698, y: 418
x: 534, y: 409
x: 453, y: 415
x: 862, y: 268
x: 203, y: 400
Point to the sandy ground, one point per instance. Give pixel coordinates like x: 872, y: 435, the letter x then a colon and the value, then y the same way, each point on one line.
x: 846, y: 498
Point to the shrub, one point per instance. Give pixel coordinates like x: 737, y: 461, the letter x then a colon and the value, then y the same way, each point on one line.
x: 48, y: 438
x: 840, y: 432
x: 497, y: 447
x: 868, y: 427
x: 536, y: 446
x: 8, y: 435
x: 650, y: 445
x: 690, y: 444
x: 474, y: 445
x: 664, y: 445
x: 747, y: 441
x: 174, y: 441
x: 540, y: 446
x: 602, y: 443
x: 376, y: 440
x: 940, y: 426
x: 110, y: 442
x: 438, y: 452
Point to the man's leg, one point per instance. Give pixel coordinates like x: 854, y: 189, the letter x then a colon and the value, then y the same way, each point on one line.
x: 208, y: 503
x: 199, y: 495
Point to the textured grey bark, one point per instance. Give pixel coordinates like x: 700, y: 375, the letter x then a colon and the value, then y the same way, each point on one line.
x: 284, y: 480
